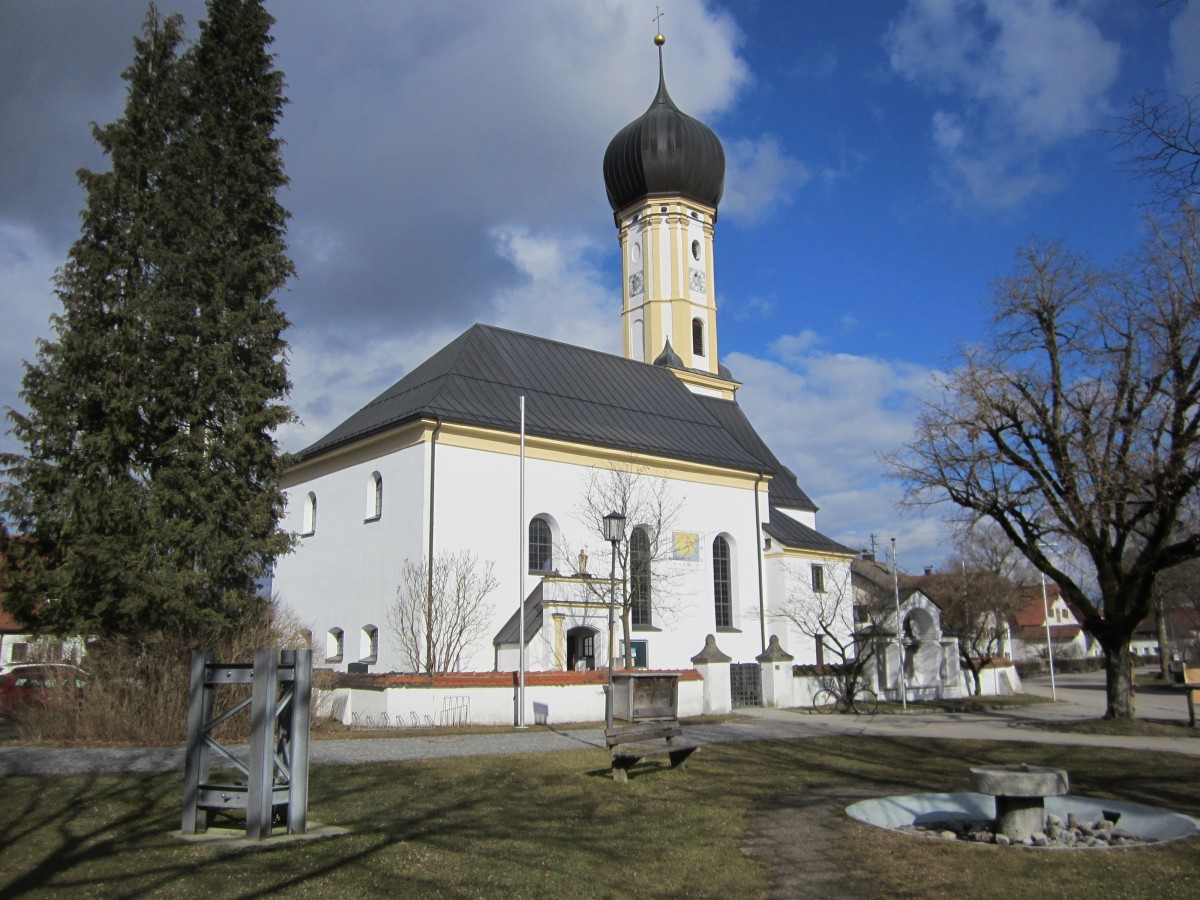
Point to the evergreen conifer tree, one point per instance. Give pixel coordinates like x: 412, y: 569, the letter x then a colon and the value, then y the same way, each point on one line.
x: 147, y: 499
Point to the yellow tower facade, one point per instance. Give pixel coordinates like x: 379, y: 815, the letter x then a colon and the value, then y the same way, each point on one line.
x: 665, y: 174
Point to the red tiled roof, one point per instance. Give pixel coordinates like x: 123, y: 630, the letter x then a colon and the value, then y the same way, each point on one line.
x: 1031, y: 611
x: 1058, y: 633
x: 492, y: 679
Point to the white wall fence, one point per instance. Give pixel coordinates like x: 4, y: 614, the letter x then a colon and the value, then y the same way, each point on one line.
x: 551, y: 698
x: 560, y: 698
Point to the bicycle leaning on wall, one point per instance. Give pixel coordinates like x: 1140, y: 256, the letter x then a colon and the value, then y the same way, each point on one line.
x: 854, y: 695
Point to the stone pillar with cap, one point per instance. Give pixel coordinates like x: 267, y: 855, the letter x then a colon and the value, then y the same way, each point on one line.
x: 713, y: 666
x: 777, y: 677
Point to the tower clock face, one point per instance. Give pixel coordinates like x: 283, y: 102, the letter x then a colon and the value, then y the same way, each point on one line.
x: 635, y: 284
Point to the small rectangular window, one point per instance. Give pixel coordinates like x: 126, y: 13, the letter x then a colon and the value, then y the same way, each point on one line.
x: 818, y: 579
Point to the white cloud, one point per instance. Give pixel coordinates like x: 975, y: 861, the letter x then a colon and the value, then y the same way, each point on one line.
x: 791, y: 347
x: 1021, y: 75
x: 26, y: 264
x: 759, y: 178
x: 828, y: 416
x: 562, y: 295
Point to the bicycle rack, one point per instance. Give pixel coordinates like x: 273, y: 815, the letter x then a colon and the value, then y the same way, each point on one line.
x: 276, y: 771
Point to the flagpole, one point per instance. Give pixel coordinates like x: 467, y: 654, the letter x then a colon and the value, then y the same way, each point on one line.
x: 521, y: 562
x: 899, y: 629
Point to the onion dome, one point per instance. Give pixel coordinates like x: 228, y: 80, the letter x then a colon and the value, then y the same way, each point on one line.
x: 664, y: 152
x: 669, y: 358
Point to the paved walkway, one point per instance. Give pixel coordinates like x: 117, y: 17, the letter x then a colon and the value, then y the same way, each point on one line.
x: 1076, y: 701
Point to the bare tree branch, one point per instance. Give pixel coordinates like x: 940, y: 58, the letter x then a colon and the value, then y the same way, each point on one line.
x: 1077, y: 423
x: 1163, y: 134
x: 434, y: 631
x: 648, y: 504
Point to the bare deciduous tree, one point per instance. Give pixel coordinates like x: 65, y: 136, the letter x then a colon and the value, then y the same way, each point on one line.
x: 439, y: 615
x: 846, y: 622
x: 645, y: 565
x: 1077, y: 424
x: 1164, y: 135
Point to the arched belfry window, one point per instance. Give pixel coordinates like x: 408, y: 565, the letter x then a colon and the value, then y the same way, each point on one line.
x: 639, y: 578
x: 698, y: 336
x: 541, y: 545
x: 310, y: 514
x: 722, y: 583
x: 374, y: 497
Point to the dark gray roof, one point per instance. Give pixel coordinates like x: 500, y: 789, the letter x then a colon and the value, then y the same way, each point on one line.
x: 791, y: 533
x: 510, y: 631
x: 571, y: 393
x: 783, y: 489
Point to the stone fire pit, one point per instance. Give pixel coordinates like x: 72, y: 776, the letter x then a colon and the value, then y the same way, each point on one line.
x: 1020, y: 793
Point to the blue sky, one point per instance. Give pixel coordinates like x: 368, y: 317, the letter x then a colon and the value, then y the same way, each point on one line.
x: 886, y: 160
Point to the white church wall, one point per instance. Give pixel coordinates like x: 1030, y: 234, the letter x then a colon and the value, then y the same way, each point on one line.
x: 788, y: 578
x: 344, y: 574
x: 476, y: 508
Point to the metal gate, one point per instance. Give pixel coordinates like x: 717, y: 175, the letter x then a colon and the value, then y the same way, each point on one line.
x: 745, y: 684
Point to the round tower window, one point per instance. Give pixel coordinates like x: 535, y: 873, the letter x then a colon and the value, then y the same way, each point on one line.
x: 696, y: 250
x: 635, y: 252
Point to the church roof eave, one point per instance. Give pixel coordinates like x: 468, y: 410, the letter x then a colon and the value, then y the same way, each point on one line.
x: 478, y: 378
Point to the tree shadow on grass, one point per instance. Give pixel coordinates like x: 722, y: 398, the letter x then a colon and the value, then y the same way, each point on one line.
x: 515, y: 825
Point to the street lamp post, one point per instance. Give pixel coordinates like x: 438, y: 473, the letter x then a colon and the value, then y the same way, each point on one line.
x: 614, y: 533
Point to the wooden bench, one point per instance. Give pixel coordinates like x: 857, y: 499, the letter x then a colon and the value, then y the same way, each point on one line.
x: 626, y: 753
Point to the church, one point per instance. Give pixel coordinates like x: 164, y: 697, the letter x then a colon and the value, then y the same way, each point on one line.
x: 508, y: 447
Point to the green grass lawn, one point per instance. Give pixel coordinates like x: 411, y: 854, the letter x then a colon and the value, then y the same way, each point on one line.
x: 554, y: 825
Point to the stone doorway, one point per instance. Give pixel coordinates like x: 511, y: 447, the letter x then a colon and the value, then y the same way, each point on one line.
x: 581, y: 649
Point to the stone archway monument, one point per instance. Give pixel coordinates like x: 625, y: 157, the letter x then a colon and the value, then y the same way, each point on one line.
x: 276, y: 771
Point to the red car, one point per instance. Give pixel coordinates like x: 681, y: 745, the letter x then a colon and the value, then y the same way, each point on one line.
x: 30, y: 683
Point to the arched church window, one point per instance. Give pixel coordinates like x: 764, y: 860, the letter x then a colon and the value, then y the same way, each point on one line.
x: 310, y: 514
x: 541, y: 545
x: 374, y: 497
x: 698, y: 337
x: 333, y: 645
x: 639, y: 578
x: 368, y: 644
x: 722, y: 583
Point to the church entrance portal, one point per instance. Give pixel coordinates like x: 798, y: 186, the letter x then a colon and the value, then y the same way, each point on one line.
x: 581, y: 649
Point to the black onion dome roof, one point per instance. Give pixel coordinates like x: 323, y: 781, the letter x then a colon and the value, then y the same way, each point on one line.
x: 665, y: 151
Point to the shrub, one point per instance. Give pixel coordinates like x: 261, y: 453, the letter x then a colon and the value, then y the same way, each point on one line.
x: 137, y: 688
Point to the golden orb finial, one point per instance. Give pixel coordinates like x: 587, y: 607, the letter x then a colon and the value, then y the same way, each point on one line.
x: 659, y: 40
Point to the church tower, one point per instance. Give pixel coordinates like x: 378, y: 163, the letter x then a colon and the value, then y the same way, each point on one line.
x: 665, y: 173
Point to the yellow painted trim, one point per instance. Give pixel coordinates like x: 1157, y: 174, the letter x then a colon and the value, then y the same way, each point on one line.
x: 359, y: 451
x: 712, y: 382
x: 778, y: 552
x: 471, y: 437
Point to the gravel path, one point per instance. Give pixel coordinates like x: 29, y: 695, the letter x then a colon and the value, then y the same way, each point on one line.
x: 754, y: 725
